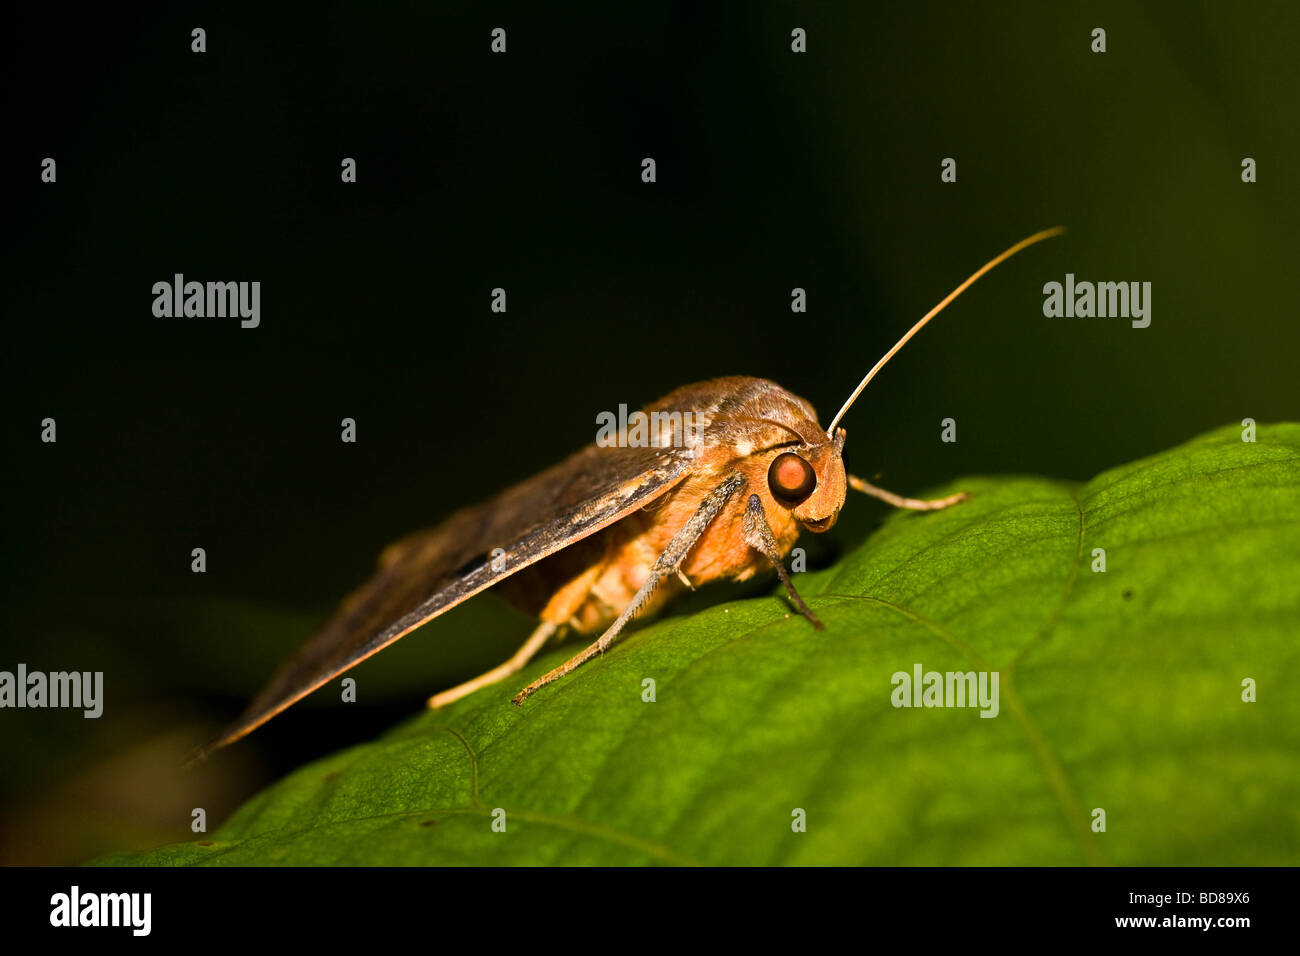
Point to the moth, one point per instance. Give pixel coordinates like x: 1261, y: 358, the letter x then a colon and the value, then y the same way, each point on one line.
x: 613, y: 531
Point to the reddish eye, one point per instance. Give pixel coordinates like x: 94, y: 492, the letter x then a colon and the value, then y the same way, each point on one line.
x: 790, y: 478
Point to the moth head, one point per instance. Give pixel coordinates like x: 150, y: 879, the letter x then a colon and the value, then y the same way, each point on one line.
x: 809, y: 481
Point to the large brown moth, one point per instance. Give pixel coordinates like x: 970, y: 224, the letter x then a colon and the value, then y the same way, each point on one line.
x: 612, y: 531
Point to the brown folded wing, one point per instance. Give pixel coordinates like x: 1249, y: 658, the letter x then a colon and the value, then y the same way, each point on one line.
x: 430, y: 572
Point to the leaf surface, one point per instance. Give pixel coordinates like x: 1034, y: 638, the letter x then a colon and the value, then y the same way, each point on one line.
x: 1118, y: 690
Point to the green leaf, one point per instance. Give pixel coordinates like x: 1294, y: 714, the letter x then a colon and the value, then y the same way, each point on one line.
x: 1120, y: 690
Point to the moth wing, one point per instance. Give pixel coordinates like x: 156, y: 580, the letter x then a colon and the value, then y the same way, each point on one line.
x: 430, y: 572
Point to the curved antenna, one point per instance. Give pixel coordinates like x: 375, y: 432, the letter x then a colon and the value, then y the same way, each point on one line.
x: 997, y: 260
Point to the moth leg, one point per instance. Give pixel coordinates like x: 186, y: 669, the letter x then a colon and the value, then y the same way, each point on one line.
x: 898, y: 501
x: 512, y: 666
x: 758, y: 535
x: 667, y: 563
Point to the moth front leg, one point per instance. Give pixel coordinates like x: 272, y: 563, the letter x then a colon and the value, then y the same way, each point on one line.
x: 898, y: 501
x: 758, y: 535
x: 667, y: 564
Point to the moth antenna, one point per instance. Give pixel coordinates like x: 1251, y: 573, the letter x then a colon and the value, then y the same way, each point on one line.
x: 995, y: 261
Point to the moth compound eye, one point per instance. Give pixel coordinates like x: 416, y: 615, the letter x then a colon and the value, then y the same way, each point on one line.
x: 790, y: 478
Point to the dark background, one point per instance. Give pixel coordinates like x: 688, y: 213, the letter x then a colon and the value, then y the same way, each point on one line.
x: 775, y: 170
